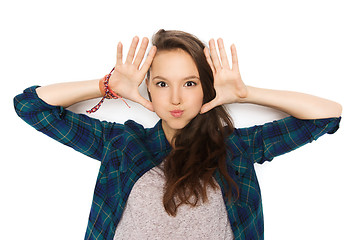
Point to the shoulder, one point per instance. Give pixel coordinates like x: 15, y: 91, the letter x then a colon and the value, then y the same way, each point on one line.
x: 133, y: 127
x: 136, y: 132
x: 130, y: 131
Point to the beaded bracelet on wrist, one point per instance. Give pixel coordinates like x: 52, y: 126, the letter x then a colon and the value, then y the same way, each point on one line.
x: 106, y: 92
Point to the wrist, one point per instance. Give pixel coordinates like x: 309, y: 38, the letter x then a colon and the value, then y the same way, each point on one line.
x: 105, y: 92
x: 102, y: 87
x: 91, y: 90
x: 247, y: 95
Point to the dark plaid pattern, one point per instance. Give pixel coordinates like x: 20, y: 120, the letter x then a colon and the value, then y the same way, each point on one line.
x: 127, y: 151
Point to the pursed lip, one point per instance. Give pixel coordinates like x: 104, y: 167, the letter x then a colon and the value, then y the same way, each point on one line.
x: 176, y: 113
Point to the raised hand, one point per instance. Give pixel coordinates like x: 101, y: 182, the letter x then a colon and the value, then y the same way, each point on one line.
x: 128, y: 75
x: 228, y: 84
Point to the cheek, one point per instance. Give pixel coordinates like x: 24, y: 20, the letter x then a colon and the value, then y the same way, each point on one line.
x: 157, y: 97
x: 158, y: 102
x: 198, y: 99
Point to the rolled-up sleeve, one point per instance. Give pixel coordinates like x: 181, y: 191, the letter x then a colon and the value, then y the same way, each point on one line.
x: 264, y: 142
x: 82, y: 133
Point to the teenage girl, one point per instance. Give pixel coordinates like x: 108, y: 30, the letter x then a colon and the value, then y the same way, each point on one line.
x: 192, y: 175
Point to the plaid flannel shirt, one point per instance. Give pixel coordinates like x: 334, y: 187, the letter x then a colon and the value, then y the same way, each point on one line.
x: 126, y: 151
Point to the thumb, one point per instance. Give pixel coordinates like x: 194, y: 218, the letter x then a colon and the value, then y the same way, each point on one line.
x: 146, y: 103
x: 208, y: 106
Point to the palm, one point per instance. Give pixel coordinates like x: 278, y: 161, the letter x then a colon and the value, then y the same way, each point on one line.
x: 228, y: 81
x: 128, y: 75
x: 228, y: 84
x: 125, y: 80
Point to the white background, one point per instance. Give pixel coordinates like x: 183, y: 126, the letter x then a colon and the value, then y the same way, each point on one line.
x: 309, y: 46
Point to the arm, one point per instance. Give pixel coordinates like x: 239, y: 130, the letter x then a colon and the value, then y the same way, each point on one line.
x: 231, y: 89
x: 125, y: 80
x: 78, y: 131
x: 43, y: 107
x: 299, y: 105
x: 264, y: 142
x: 311, y: 117
x: 67, y: 94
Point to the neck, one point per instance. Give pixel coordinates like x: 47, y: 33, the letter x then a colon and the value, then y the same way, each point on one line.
x: 169, y: 133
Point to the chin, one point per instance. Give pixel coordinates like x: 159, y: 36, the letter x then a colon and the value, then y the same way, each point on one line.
x: 176, y: 124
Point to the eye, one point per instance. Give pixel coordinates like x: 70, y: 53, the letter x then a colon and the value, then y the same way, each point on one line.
x: 161, y: 84
x: 190, y: 84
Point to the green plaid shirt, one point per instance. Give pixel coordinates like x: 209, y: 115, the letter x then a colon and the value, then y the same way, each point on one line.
x: 127, y: 151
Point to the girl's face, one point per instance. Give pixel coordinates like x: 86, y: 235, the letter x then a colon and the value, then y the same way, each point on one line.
x: 175, y: 89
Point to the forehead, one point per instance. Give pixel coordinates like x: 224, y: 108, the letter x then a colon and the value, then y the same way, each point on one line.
x: 174, y: 63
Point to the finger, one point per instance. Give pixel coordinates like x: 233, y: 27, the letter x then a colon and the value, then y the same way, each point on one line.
x: 140, y: 55
x: 208, y: 59
x: 119, y: 54
x: 132, y: 50
x: 235, y: 62
x: 210, y: 105
x: 145, y: 67
x: 222, y: 51
x: 214, y: 56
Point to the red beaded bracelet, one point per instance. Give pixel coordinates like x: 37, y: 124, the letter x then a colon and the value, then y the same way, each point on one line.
x: 106, y: 92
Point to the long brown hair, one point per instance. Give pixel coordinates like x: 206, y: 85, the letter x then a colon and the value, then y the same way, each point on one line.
x: 199, y: 148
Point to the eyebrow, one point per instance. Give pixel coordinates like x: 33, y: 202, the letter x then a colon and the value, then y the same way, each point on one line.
x: 186, y: 78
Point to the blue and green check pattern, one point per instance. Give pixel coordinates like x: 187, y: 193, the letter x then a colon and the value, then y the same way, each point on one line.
x: 126, y: 151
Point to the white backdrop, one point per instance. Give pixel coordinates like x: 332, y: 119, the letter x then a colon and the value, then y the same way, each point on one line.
x: 309, y: 46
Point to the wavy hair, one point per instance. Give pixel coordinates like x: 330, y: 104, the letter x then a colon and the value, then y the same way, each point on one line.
x: 199, y: 148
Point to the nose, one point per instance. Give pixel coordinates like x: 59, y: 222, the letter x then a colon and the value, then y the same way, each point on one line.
x: 175, y: 96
